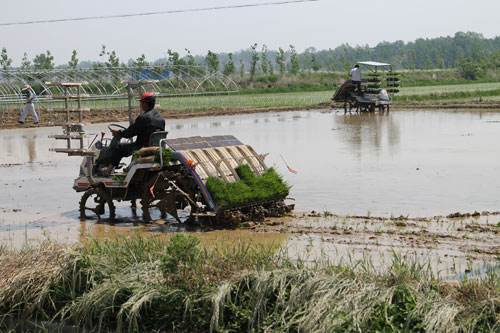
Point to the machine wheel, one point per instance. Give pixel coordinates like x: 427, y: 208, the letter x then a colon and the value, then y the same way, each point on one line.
x: 95, y: 200
x: 158, y: 193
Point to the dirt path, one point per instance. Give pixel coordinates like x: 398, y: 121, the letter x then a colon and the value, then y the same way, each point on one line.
x: 10, y: 117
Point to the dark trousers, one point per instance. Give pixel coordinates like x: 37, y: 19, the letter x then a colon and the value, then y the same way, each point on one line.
x: 357, y: 84
x: 115, y: 152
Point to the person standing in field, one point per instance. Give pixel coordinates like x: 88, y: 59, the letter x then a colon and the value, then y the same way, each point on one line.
x: 356, y: 77
x: 29, y: 107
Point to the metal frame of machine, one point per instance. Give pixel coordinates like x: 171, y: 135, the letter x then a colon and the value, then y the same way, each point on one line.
x: 176, y: 188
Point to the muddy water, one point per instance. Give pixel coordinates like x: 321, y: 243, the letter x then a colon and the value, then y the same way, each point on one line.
x: 408, y: 163
x: 411, y: 163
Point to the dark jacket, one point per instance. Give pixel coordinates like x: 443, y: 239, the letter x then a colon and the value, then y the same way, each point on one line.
x: 29, y: 95
x: 144, y: 125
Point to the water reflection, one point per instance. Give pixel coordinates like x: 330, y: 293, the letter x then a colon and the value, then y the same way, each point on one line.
x: 372, y: 131
x: 31, y: 144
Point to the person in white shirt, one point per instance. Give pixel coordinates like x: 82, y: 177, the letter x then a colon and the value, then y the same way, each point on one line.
x: 356, y: 77
x: 29, y: 107
x: 384, y: 96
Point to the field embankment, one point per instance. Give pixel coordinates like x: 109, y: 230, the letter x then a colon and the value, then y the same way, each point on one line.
x: 176, y: 285
x: 471, y: 96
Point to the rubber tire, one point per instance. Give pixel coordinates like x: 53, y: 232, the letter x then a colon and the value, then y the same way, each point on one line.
x: 107, y: 200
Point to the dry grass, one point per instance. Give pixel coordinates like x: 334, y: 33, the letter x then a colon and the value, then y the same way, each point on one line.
x: 141, y: 284
x: 27, y: 278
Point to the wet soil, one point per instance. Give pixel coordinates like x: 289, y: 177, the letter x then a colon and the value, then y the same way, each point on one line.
x: 99, y: 116
x: 450, y: 247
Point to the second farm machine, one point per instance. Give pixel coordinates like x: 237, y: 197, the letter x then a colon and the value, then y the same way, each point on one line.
x: 379, y: 84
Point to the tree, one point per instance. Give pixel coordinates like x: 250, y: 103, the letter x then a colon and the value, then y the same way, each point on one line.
x: 294, y: 61
x: 314, y: 63
x: 229, y: 67
x: 470, y: 69
x: 44, y: 61
x: 112, y: 60
x: 190, y: 60
x: 5, y: 61
x: 212, y: 61
x: 174, y: 59
x: 73, y: 62
x: 141, y: 62
x: 192, y: 66
x: 264, y: 62
x: 242, y: 69
x: 495, y: 61
x: 270, y: 67
x: 253, y: 63
x: 281, y: 61
x: 176, y: 62
x: 25, y: 62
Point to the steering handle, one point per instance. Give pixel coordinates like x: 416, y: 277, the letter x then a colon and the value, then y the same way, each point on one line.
x: 112, y: 127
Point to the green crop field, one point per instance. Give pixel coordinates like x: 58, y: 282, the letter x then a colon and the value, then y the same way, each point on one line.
x: 297, y: 100
x: 254, y: 101
x: 452, y: 88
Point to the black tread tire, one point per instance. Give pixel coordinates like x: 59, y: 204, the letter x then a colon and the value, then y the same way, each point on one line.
x: 107, y: 200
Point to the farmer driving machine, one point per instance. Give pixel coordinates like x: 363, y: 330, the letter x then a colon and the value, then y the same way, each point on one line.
x: 215, y: 179
x: 379, y: 84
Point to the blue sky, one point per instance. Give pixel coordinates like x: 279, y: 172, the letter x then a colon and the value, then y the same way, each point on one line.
x: 325, y: 24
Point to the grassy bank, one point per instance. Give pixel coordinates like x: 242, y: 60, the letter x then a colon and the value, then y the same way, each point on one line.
x: 478, y: 95
x: 176, y: 285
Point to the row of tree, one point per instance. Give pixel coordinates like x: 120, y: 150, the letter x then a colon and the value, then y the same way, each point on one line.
x: 470, y: 51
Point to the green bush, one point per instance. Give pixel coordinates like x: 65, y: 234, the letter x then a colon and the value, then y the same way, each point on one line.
x: 248, y: 189
x: 182, y: 251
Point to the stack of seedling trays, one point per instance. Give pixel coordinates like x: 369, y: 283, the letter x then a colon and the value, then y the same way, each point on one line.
x: 373, y: 83
x: 393, y: 82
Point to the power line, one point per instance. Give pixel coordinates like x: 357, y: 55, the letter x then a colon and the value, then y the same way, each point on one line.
x: 163, y: 12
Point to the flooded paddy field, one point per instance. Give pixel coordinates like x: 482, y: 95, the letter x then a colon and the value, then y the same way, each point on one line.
x: 408, y: 168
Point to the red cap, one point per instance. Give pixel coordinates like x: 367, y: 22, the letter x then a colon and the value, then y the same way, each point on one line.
x: 147, y: 95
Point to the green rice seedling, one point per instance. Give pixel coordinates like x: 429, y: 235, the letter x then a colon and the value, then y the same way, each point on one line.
x: 250, y: 188
x: 166, y: 153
